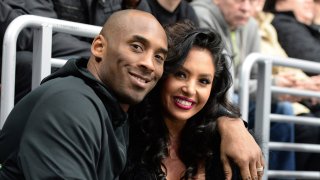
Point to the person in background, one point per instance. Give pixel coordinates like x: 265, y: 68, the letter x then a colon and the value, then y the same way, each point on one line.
x: 316, y: 19
x: 172, y: 11
x: 233, y: 20
x: 286, y: 77
x: 174, y: 133
x: 9, y: 11
x: 293, y: 23
x: 94, y: 12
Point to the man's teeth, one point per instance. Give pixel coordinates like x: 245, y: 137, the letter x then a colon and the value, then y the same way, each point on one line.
x: 183, y: 102
x: 141, y: 80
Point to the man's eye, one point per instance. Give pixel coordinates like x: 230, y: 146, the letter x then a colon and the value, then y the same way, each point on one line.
x: 160, y: 58
x: 137, y: 47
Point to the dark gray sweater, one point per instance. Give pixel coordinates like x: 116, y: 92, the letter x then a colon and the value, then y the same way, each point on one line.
x: 71, y: 127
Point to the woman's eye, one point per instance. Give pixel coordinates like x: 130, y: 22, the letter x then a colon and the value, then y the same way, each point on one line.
x: 180, y: 74
x: 205, y: 81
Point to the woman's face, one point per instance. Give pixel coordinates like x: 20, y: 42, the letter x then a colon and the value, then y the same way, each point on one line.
x: 316, y: 19
x: 186, y: 91
x: 303, y: 10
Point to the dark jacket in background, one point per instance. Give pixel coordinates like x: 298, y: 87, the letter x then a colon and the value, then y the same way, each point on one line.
x: 182, y: 12
x: 298, y: 40
x: 94, y: 12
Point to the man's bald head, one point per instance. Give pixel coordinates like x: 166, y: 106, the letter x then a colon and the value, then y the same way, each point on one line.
x: 120, y: 21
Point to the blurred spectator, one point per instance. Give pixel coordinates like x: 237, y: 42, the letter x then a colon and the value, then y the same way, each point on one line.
x: 298, y: 37
x: 293, y: 22
x: 233, y: 19
x: 316, y: 19
x: 172, y: 11
x: 93, y: 12
x: 283, y: 76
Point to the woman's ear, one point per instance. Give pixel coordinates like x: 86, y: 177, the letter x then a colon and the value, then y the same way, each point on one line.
x: 98, y: 46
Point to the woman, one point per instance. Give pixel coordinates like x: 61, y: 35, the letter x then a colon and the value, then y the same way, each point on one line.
x: 173, y: 132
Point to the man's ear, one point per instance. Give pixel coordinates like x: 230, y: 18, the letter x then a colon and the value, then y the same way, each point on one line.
x: 98, y: 46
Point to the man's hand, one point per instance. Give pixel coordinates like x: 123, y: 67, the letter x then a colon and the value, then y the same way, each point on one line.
x: 238, y: 145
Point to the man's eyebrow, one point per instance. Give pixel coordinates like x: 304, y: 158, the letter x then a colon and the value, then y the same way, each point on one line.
x: 147, y: 42
x: 164, y: 51
x: 141, y: 39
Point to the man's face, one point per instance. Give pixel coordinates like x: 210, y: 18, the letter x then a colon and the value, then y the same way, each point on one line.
x: 235, y: 12
x: 133, y: 58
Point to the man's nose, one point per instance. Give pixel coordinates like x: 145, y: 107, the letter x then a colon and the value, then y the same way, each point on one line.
x: 147, y: 63
x: 246, y: 6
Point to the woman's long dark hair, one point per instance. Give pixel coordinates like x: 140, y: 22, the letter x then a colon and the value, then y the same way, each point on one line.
x: 149, y: 136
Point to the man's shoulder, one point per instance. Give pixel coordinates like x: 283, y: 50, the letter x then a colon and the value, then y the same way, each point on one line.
x: 202, y: 6
x: 209, y: 15
x: 65, y: 83
x: 65, y: 88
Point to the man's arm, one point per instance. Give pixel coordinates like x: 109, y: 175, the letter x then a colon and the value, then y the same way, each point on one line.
x: 238, y: 145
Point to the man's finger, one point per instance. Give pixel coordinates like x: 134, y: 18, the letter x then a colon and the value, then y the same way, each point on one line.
x: 226, y: 168
x: 260, y: 167
x: 245, y: 171
x: 262, y: 160
x: 253, y: 171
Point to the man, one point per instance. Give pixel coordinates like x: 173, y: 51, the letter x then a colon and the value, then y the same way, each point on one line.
x: 74, y: 126
x: 233, y: 19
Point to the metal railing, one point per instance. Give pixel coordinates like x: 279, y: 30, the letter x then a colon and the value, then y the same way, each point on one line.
x: 42, y: 61
x: 263, y: 117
